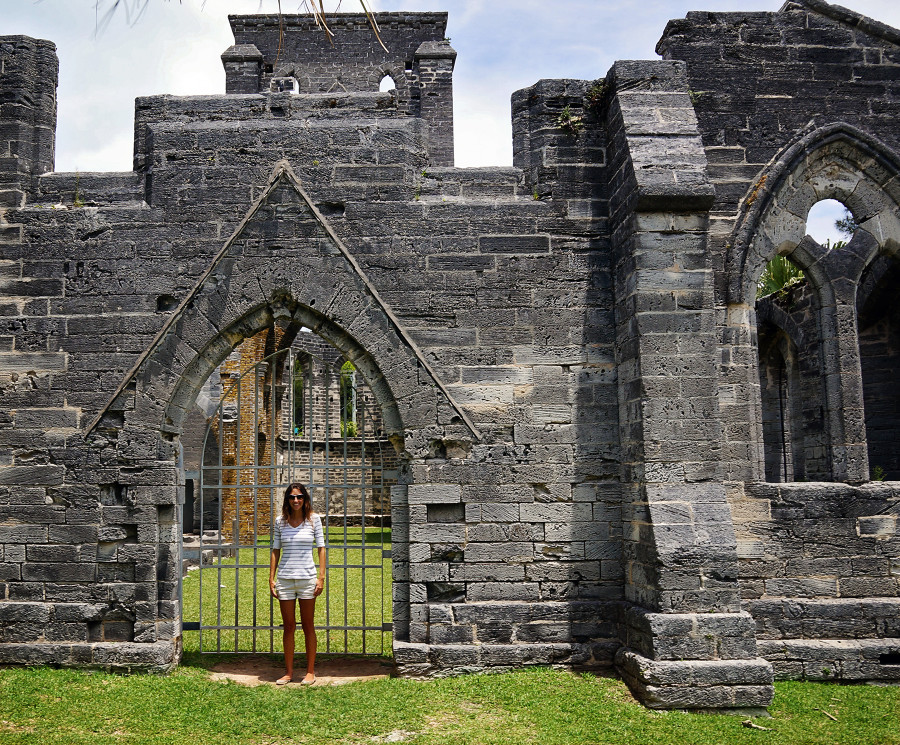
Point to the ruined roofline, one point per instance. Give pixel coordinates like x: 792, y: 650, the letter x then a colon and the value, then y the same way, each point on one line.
x: 307, y: 22
x: 846, y: 16
x: 836, y: 13
x: 19, y: 38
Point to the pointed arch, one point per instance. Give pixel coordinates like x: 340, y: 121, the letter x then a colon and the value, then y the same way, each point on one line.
x: 395, y: 73
x: 837, y: 161
x: 785, y: 439
x: 198, y: 370
x: 840, y: 162
x: 284, y: 255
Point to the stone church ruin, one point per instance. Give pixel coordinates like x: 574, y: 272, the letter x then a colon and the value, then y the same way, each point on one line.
x: 593, y: 445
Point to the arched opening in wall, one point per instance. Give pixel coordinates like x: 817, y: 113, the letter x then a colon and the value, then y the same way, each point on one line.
x: 782, y: 408
x: 286, y: 401
x: 878, y: 315
x: 830, y: 223
x: 794, y: 429
x: 301, y: 371
x: 387, y: 84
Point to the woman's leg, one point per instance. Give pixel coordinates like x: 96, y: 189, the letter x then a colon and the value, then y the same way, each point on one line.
x: 289, y: 619
x: 307, y: 620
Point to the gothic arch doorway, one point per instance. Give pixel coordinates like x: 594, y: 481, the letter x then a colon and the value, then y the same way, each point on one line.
x: 303, y: 413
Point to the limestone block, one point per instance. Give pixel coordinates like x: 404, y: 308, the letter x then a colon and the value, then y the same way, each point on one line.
x: 487, y: 572
x: 513, y: 552
x: 437, y: 533
x: 878, y: 526
x: 484, y: 591
x: 433, y: 493
x: 427, y: 572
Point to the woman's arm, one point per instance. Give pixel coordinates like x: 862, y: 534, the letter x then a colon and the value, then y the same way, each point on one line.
x: 273, y: 565
x: 323, y: 570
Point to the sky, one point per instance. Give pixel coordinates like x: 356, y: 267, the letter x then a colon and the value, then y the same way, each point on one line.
x: 502, y: 45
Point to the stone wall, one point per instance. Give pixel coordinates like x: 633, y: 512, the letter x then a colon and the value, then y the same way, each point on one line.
x: 565, y: 355
x: 294, y: 53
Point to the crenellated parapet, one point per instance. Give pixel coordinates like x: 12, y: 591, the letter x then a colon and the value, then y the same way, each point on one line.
x: 293, y: 54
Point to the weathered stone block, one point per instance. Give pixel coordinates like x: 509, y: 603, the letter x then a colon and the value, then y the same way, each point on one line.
x: 433, y: 493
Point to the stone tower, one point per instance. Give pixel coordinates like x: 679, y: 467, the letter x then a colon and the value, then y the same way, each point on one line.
x: 295, y: 56
x: 28, y: 77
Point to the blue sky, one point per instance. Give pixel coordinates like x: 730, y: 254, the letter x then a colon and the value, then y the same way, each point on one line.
x: 503, y: 45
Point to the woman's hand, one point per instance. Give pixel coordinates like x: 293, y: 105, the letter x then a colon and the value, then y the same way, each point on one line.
x: 320, y: 585
x: 273, y: 568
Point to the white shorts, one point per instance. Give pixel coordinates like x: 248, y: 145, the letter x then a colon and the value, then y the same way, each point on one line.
x: 295, y: 589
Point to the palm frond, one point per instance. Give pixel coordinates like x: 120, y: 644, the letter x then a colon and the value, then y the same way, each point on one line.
x: 779, y: 275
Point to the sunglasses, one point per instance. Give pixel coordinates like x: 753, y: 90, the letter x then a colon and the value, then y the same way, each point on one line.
x: 296, y: 496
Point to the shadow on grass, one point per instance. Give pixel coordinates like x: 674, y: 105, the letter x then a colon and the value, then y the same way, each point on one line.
x: 209, y: 660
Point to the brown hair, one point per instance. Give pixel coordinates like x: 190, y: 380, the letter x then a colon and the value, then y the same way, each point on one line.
x: 306, y: 510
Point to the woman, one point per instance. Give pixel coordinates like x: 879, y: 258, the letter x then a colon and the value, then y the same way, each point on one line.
x: 296, y: 529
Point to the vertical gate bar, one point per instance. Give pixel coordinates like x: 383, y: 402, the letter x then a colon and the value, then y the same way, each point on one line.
x: 362, y: 510
x: 255, y: 497
x: 308, y: 424
x: 200, y: 556
x: 377, y: 481
x: 236, y: 535
x: 384, y: 510
x: 327, y: 463
x: 219, y: 548
x: 273, y: 492
x: 345, y: 431
x: 385, y: 601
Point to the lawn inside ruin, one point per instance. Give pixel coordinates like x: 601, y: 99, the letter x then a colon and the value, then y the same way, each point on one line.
x: 534, y: 706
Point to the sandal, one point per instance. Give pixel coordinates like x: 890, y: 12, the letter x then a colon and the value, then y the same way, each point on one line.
x: 306, y: 682
x: 283, y: 680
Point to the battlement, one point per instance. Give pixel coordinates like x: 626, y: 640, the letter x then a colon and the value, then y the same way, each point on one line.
x: 354, y: 62
x: 294, y: 55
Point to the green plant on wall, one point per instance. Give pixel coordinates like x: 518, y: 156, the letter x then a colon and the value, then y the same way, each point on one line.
x: 77, y: 200
x: 594, y: 96
x: 570, y: 122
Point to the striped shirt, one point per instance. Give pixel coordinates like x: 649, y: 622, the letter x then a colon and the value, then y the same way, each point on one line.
x: 296, y: 546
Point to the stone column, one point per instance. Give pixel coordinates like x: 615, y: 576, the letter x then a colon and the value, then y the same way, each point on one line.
x: 843, y: 373
x: 687, y: 643
x: 433, y: 69
x: 29, y: 71
x: 243, y: 68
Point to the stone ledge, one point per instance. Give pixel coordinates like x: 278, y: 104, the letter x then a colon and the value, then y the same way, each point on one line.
x: 721, y: 685
x: 833, y: 659
x: 445, y: 660
x: 701, y: 636
x: 158, y: 657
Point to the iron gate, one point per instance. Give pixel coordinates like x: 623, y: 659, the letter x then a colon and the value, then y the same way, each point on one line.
x: 294, y: 416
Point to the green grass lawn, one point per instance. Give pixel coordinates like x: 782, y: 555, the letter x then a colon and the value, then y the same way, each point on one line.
x: 341, y: 604
x: 536, y: 706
